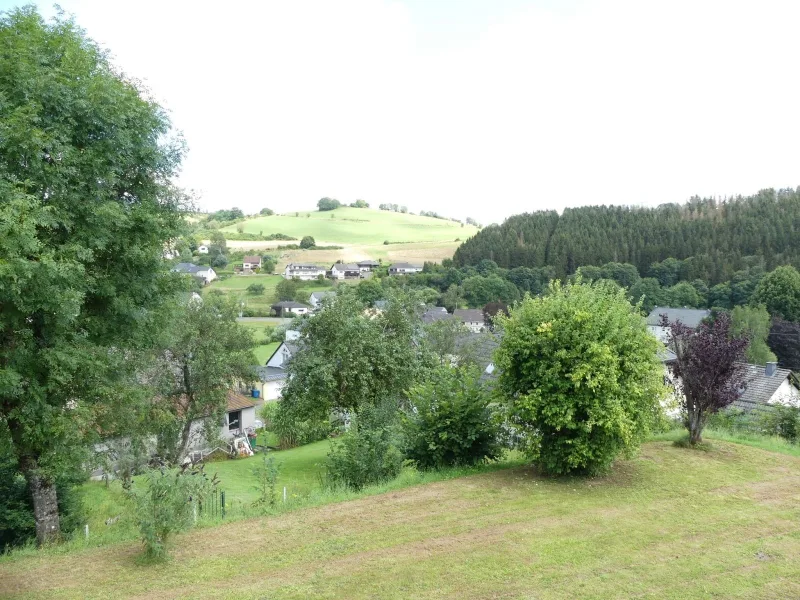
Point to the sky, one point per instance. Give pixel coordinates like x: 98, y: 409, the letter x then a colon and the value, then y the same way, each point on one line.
x: 468, y: 108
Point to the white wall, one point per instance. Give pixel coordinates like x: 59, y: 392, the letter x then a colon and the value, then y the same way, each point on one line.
x: 299, y: 311
x: 247, y: 420
x: 279, y: 357
x: 786, y: 394
x: 660, y: 332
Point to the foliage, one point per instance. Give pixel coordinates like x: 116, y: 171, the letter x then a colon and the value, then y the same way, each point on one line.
x: 683, y: 294
x: 703, y: 238
x: 580, y: 371
x: 203, y: 355
x: 268, y: 264
x: 220, y: 261
x: 491, y: 310
x: 349, y: 360
x: 360, y: 204
x: 256, y: 289
x: 368, y: 291
x: 86, y: 211
x: 451, y: 422
x: 784, y: 341
x: 266, y: 474
x: 286, y: 289
x: 779, y: 292
x: 293, y: 430
x: 266, y: 212
x: 328, y: 204
x: 783, y: 421
x: 753, y: 322
x: 708, y: 373
x: 369, y: 452
x: 226, y: 215
x: 308, y: 242
x: 164, y: 504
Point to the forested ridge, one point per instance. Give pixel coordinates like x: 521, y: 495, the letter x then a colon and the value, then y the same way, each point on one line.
x: 717, y: 235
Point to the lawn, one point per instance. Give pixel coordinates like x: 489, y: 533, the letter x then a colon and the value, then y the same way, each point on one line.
x: 358, y: 226
x: 236, y: 285
x: 260, y: 330
x: 671, y: 523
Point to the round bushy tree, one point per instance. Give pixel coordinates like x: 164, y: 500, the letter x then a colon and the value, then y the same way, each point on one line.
x: 779, y: 292
x: 581, y: 374
x: 308, y: 242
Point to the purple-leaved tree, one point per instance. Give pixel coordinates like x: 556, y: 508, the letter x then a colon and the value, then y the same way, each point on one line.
x: 709, y: 371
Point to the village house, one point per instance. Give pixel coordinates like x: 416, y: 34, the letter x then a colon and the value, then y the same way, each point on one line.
x: 289, y: 308
x: 202, y: 249
x: 366, y: 266
x: 437, y: 313
x: 316, y: 298
x: 691, y: 317
x: 204, y: 273
x: 304, y: 271
x: 272, y: 376
x: 404, y: 269
x: 471, y: 317
x: 768, y: 385
x: 251, y: 263
x: 345, y: 271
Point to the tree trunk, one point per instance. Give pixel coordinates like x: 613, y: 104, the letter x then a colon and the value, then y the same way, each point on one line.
x: 695, y: 427
x: 45, y: 502
x: 186, y: 433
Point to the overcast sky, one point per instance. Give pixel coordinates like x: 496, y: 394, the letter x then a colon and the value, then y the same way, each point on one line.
x: 469, y: 108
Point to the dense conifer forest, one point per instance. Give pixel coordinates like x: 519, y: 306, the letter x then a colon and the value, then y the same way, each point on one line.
x: 719, y: 237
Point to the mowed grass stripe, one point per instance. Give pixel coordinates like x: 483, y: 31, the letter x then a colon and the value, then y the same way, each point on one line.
x: 671, y: 523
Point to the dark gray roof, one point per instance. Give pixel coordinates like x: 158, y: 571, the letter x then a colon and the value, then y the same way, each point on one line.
x: 403, y: 265
x: 760, y: 387
x: 189, y: 268
x: 469, y: 314
x: 270, y: 373
x: 345, y: 267
x: 368, y: 263
x: 690, y: 317
x: 289, y: 304
x: 304, y: 266
x: 436, y: 314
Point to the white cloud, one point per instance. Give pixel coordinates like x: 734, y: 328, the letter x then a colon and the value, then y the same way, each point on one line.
x: 607, y: 102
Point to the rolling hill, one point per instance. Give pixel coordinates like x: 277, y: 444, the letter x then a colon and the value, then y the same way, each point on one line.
x: 347, y: 225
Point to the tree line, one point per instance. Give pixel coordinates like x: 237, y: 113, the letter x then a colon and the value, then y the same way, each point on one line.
x: 718, y: 236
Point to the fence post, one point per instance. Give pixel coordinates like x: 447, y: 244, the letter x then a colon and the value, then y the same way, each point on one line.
x: 222, y: 499
x: 194, y: 512
x: 284, y: 494
x: 86, y: 530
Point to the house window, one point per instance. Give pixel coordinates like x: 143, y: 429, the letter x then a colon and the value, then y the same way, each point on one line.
x: 234, y: 419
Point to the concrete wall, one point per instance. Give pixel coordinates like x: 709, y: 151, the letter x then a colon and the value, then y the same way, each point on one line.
x: 786, y: 394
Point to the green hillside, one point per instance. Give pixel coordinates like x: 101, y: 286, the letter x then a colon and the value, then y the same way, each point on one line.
x: 358, y: 226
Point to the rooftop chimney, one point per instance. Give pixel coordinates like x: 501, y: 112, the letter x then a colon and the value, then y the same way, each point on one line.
x: 770, y: 369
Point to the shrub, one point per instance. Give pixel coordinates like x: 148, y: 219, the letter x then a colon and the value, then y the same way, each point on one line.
x: 266, y: 474
x: 369, y: 452
x: 256, y: 289
x: 451, y: 423
x: 582, y: 374
x: 219, y: 261
x: 165, y: 505
x: 307, y: 242
x: 293, y: 432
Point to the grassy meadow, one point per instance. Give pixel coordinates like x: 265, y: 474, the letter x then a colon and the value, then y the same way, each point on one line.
x: 670, y: 523
x: 236, y: 285
x: 347, y: 225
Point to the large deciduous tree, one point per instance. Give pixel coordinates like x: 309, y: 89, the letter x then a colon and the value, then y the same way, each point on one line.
x: 753, y: 322
x: 86, y: 207
x: 352, y: 357
x: 580, y: 372
x: 779, y: 291
x: 709, y: 370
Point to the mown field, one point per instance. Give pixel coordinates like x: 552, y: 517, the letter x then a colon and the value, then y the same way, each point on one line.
x: 260, y: 330
x: 671, y: 523
x: 358, y: 226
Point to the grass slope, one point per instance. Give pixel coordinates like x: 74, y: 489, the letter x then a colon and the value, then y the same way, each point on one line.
x: 358, y: 226
x: 672, y: 523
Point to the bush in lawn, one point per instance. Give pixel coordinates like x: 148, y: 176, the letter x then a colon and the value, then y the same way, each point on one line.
x: 451, y: 422
x: 369, y: 452
x: 256, y: 289
x: 783, y: 421
x: 266, y: 474
x: 581, y: 374
x: 293, y: 431
x: 164, y: 505
x: 307, y: 242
